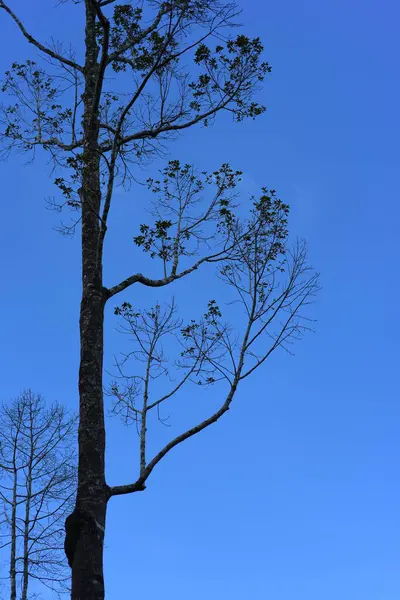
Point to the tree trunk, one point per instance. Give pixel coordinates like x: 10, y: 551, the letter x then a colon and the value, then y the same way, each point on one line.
x: 25, y: 578
x: 31, y: 455
x: 92, y: 495
x: 13, y: 570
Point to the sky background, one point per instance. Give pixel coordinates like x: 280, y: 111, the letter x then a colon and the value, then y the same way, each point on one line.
x: 295, y: 493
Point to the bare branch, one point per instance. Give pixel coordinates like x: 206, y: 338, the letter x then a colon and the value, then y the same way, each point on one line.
x: 139, y: 485
x: 36, y: 43
x: 140, y: 278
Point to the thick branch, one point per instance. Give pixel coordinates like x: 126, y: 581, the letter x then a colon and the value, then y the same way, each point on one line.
x: 58, y: 143
x: 35, y: 42
x: 139, y: 485
x: 140, y: 278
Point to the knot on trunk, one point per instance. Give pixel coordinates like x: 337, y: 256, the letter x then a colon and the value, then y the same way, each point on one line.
x: 74, y: 525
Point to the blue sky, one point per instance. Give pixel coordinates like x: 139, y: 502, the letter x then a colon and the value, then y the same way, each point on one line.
x: 294, y: 495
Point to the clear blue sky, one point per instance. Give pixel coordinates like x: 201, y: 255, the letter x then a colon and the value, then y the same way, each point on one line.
x: 295, y: 494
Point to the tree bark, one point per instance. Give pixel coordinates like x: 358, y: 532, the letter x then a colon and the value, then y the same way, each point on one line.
x: 27, y: 522
x: 31, y: 450
x: 13, y: 553
x: 92, y: 494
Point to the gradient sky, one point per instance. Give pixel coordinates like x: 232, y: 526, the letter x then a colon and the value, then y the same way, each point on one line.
x: 295, y: 494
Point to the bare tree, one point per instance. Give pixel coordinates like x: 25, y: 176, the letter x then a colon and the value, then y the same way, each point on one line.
x: 37, y: 490
x: 173, y: 66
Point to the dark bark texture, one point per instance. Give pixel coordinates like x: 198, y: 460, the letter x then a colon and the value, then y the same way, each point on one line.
x: 92, y: 496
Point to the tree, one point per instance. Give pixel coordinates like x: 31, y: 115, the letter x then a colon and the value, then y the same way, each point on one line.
x: 37, y: 490
x: 176, y: 67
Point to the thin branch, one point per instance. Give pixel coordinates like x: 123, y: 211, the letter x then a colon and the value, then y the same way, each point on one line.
x: 168, y: 128
x: 175, y: 389
x: 134, y: 40
x: 35, y: 42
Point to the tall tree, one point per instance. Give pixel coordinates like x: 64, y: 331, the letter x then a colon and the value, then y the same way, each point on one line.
x: 174, y: 66
x: 38, y: 485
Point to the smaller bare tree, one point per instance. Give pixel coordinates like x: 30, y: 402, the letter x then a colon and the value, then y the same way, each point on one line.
x: 270, y: 282
x: 37, y: 490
